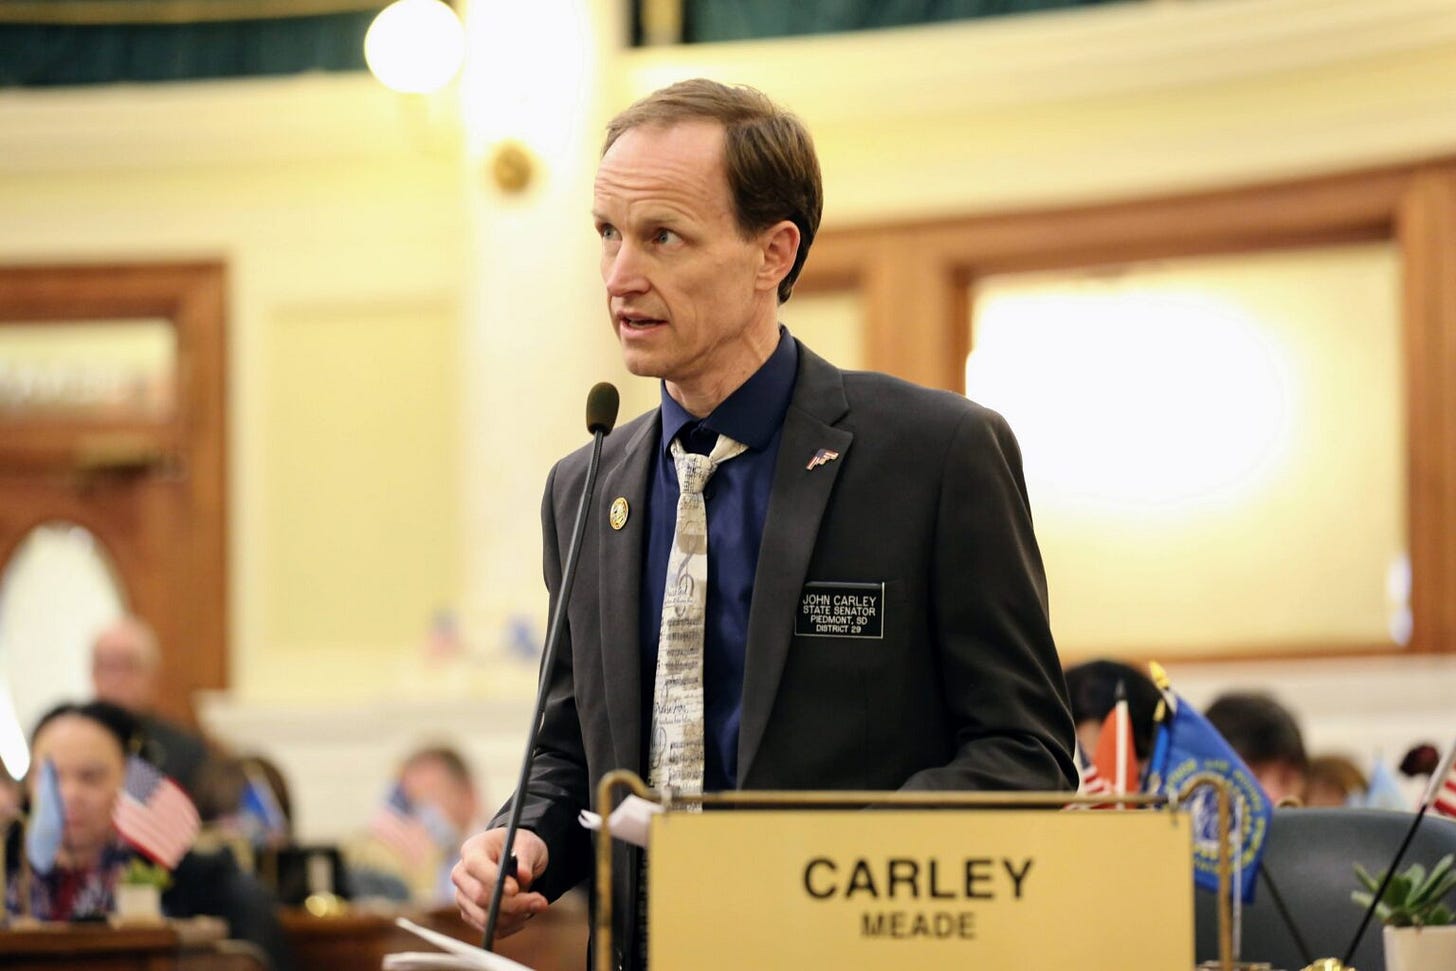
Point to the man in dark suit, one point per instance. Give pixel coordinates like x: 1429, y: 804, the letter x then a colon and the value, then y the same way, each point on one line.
x: 875, y: 611
x: 125, y: 663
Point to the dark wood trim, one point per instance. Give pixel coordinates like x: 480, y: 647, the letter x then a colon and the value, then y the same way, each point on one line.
x: 917, y: 280
x: 1245, y: 652
x: 1426, y: 231
x: 174, y: 563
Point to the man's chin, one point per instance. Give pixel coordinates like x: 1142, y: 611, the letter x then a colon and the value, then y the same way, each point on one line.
x: 642, y: 365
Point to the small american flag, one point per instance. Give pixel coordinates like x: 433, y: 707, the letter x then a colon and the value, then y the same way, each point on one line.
x: 154, y: 815
x: 1445, y: 791
x: 1092, y: 783
x: 396, y: 826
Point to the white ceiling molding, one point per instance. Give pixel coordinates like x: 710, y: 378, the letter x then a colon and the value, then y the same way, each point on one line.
x: 320, y: 117
x: 1077, y: 53
x: 980, y: 72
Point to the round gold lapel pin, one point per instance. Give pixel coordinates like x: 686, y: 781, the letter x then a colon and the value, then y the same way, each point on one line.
x: 618, y: 516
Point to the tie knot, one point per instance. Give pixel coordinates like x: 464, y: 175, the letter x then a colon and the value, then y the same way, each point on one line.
x: 693, y: 470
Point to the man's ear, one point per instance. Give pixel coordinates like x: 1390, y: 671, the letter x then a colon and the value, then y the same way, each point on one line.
x: 780, y: 246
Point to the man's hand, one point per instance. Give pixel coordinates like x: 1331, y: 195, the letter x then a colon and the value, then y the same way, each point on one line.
x: 475, y: 875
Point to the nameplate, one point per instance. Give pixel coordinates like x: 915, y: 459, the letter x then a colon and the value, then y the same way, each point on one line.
x: 934, y: 890
x: 830, y: 609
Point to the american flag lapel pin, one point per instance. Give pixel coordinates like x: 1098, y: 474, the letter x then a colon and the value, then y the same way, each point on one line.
x: 822, y: 457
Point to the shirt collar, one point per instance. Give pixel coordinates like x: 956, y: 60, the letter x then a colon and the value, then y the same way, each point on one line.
x: 753, y: 412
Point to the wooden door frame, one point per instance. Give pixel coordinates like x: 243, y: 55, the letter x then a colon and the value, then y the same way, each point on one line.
x: 916, y: 279
x: 188, y: 606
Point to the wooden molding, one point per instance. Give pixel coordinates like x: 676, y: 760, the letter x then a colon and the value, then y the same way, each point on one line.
x: 153, y: 492
x: 1427, y: 236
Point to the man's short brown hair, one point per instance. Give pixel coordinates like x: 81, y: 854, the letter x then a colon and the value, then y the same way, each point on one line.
x: 773, y: 173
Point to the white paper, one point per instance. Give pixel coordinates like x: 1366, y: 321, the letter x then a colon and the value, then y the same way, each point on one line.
x: 630, y: 821
x: 462, y: 956
x: 426, y: 961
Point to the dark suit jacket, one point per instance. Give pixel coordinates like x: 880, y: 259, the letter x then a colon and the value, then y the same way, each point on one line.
x: 964, y: 691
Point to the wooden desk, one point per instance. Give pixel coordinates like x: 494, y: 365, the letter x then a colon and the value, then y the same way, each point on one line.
x: 99, y: 947
x: 355, y: 941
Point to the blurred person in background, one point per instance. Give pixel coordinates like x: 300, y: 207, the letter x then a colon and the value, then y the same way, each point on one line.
x: 125, y: 659
x: 1092, y: 687
x: 244, y: 805
x: 1267, y: 738
x: 87, y: 747
x: 414, y: 838
x: 1422, y: 760
x: 1334, y: 780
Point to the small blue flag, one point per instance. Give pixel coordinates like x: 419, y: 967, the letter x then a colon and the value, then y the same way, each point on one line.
x: 1383, y: 792
x: 47, y: 821
x: 261, y: 818
x: 1188, y: 745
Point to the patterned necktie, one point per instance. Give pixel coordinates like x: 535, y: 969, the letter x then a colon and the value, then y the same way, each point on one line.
x: 675, y: 754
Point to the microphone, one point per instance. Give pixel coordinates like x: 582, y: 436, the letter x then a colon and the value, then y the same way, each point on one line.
x: 602, y: 403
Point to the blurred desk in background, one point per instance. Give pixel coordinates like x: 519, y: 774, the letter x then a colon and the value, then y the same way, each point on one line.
x: 358, y: 940
x: 190, y: 945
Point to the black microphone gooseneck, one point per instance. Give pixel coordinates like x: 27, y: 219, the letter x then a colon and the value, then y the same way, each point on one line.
x: 601, y: 414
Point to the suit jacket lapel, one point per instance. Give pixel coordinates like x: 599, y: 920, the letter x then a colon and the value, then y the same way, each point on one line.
x: 789, y: 533
x: 620, y: 591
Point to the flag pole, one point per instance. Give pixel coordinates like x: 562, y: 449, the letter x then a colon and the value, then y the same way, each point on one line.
x: 25, y: 871
x: 1224, y: 799
x: 1225, y: 879
x: 1120, y: 726
x: 4, y: 868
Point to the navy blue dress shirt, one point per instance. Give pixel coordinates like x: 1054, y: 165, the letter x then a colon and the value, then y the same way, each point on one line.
x: 737, y: 498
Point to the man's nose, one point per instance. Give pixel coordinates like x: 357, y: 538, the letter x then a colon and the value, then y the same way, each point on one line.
x: 623, y: 272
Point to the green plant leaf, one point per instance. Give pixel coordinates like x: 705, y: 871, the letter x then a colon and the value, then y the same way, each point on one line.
x: 1442, y: 868
x: 1413, y: 897
x: 1425, y: 885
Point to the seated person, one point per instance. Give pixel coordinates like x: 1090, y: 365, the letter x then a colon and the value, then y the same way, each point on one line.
x: 245, y: 805
x: 414, y: 839
x: 1267, y: 738
x: 1092, y: 687
x: 125, y: 660
x: 1333, y: 780
x: 87, y: 746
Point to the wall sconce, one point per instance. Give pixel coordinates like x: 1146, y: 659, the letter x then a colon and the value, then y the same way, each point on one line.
x: 512, y: 167
x: 415, y: 46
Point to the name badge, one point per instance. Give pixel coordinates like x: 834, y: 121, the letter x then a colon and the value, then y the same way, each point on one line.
x: 830, y: 609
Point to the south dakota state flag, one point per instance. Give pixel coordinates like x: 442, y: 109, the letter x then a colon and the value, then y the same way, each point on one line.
x: 1187, y: 746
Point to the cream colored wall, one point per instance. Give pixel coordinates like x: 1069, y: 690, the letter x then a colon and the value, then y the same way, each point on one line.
x: 1214, y: 447
x: 338, y: 205
x: 335, y: 207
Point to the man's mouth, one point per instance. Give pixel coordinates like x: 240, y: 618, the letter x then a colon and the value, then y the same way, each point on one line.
x: 632, y: 321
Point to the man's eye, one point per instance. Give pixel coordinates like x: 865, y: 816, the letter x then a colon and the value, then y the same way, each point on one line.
x: 607, y: 232
x: 664, y: 236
